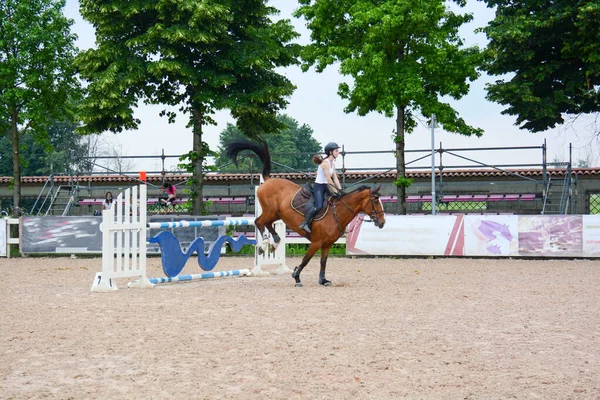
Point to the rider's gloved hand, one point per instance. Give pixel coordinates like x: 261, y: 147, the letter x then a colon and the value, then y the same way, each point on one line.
x: 338, y: 195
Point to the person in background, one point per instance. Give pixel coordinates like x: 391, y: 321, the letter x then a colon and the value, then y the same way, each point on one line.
x: 171, y: 195
x: 108, y: 201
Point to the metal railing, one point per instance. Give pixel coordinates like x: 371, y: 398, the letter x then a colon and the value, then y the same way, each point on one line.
x: 49, y: 182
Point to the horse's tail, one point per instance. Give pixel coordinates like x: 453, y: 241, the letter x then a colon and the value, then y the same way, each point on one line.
x: 233, y: 149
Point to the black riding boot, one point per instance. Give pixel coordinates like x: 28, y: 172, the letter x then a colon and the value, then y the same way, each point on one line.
x: 308, y: 219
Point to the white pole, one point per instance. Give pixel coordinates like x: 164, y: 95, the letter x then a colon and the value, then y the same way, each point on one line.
x: 432, y: 164
x: 206, y: 275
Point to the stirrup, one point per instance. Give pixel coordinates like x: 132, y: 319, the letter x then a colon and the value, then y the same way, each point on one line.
x: 305, y: 227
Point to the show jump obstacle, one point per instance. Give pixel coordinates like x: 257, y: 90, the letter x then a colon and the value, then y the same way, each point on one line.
x: 124, y: 234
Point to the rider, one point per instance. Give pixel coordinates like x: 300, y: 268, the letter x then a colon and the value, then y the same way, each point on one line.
x: 325, y: 182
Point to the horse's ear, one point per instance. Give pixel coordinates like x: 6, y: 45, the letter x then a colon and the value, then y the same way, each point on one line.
x: 376, y: 190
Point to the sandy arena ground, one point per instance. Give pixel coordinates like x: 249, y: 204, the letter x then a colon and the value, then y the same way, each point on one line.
x: 387, y: 329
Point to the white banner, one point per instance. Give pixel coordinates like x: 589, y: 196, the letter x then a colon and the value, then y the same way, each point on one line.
x: 591, y: 235
x: 409, y: 235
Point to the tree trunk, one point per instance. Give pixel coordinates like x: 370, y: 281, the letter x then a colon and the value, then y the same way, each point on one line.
x: 198, y: 174
x: 400, y: 161
x: 16, y: 163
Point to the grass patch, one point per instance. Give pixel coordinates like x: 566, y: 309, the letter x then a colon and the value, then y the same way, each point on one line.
x: 457, y: 206
x: 293, y: 250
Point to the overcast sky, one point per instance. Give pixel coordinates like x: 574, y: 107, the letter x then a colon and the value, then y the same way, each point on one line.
x: 316, y: 103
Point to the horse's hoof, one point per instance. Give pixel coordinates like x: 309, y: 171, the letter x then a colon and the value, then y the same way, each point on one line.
x: 299, y: 284
x: 273, y: 248
x: 325, y: 282
x: 260, y: 251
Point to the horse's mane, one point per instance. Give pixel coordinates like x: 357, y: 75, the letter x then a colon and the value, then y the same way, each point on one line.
x: 359, y: 189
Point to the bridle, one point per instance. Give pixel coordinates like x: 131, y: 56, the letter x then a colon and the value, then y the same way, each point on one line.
x: 375, y: 213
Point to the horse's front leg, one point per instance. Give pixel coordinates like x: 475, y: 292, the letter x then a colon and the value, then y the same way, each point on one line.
x: 309, y: 254
x: 324, y: 255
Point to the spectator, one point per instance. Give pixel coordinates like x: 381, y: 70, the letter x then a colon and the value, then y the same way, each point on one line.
x: 171, y: 195
x: 108, y: 201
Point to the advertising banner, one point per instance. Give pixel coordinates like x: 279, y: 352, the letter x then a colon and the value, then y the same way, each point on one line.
x: 75, y: 235
x: 491, y: 235
x: 61, y: 235
x: 551, y: 235
x: 478, y: 235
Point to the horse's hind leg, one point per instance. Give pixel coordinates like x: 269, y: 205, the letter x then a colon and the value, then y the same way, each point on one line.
x: 261, y: 223
x: 309, y: 254
x: 324, y: 255
x: 276, y: 237
x: 260, y: 242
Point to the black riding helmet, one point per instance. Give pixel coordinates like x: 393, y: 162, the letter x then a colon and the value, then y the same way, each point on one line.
x: 331, y: 146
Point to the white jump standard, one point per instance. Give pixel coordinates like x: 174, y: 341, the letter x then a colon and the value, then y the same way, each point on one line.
x: 124, y: 235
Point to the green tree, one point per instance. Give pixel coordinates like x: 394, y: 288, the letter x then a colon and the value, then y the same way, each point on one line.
x: 32, y: 156
x: 552, y: 52
x: 59, y: 153
x: 291, y: 149
x: 402, y: 55
x: 66, y: 149
x: 202, y: 56
x: 37, y: 81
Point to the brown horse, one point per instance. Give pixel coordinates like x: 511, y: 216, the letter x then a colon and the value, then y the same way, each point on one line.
x: 275, y: 197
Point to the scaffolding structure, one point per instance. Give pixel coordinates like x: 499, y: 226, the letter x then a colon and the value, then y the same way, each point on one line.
x: 557, y: 180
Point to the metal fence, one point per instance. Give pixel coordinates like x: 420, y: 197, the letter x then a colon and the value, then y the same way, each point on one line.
x: 594, y: 202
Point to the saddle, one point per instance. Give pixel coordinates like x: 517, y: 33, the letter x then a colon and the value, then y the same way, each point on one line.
x: 303, y: 201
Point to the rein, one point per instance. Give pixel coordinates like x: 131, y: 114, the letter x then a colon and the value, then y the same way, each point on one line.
x: 374, y: 214
x: 337, y: 220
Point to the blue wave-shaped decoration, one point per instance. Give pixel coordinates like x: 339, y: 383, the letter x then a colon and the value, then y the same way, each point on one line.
x: 173, y: 259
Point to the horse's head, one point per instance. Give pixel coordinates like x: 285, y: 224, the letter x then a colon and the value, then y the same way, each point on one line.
x: 375, y: 209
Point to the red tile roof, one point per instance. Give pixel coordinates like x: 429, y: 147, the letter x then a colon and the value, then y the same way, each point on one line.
x: 350, y: 175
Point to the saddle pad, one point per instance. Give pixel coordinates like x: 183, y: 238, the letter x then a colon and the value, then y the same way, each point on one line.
x: 301, y: 199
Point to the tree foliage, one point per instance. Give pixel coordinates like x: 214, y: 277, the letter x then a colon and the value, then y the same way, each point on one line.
x: 37, y: 81
x: 552, y: 51
x: 201, y: 56
x: 60, y: 152
x: 291, y: 149
x: 403, y: 56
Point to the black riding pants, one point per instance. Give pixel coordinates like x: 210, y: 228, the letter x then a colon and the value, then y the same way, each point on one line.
x: 320, y: 190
